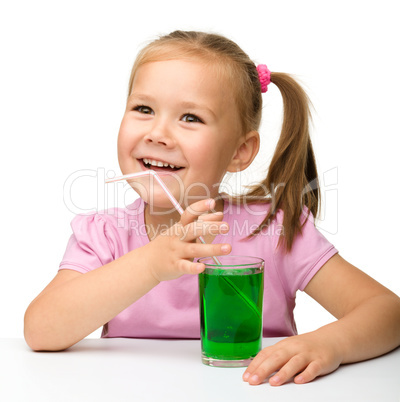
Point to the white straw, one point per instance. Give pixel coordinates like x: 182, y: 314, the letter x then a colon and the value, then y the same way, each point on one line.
x: 175, y: 203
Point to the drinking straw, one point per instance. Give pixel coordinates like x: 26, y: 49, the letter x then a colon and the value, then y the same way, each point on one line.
x: 153, y: 173
x: 178, y: 207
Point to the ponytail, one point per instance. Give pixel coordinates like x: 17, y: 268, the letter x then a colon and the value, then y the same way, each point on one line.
x: 292, y: 179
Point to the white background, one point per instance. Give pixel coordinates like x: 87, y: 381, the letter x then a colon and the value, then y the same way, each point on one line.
x: 64, y: 74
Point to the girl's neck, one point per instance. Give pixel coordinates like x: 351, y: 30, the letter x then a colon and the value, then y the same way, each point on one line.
x: 157, y: 221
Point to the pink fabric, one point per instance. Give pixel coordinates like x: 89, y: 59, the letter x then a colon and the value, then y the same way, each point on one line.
x: 265, y: 77
x: 171, y: 309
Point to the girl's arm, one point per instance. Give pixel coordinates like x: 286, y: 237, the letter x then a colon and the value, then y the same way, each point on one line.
x: 368, y: 325
x: 73, y: 305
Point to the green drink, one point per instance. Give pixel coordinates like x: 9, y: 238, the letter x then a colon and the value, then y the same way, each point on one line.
x: 231, y: 299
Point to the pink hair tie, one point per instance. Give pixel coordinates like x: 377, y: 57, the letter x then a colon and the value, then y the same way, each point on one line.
x: 264, y: 76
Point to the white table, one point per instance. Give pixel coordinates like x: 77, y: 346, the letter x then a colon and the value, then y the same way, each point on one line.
x: 167, y: 370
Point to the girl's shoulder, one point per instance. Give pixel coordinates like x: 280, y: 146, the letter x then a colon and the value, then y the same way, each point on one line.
x: 247, y: 218
x: 247, y: 211
x: 116, y: 219
x: 100, y: 237
x: 255, y: 210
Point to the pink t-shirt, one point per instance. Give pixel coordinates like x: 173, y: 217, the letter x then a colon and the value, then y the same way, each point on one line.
x: 171, y: 309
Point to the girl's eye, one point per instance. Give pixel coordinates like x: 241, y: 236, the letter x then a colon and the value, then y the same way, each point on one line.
x: 191, y: 118
x: 143, y: 109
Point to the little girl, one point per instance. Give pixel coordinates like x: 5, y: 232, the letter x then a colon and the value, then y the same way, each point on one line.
x: 193, y: 113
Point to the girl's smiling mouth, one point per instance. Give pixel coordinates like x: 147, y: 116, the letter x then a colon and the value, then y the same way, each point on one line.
x: 157, y: 165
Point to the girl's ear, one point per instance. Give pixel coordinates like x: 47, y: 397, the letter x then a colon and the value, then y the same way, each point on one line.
x: 245, y: 152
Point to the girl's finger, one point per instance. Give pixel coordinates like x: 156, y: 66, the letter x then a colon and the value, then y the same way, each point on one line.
x: 289, y: 370
x: 260, y: 357
x: 263, y: 365
x: 192, y: 212
x: 187, y: 267
x: 313, y: 370
x: 198, y: 250
x: 212, y: 217
x: 197, y: 229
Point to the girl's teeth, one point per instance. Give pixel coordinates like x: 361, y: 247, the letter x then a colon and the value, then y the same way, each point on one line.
x: 157, y: 163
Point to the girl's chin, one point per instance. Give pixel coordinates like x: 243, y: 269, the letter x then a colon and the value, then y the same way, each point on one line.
x: 161, y: 210
x: 158, y: 202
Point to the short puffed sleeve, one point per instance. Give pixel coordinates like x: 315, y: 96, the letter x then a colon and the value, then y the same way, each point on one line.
x: 90, y: 246
x: 310, y: 251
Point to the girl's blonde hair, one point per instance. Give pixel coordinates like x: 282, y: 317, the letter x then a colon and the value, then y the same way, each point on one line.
x: 292, y: 179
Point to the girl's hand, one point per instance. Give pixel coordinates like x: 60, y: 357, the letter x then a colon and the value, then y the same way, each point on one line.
x: 368, y: 325
x: 170, y: 255
x: 303, y: 356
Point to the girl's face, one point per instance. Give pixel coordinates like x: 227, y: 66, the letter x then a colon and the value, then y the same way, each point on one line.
x: 181, y: 121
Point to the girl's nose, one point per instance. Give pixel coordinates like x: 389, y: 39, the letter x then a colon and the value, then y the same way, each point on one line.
x: 160, y: 135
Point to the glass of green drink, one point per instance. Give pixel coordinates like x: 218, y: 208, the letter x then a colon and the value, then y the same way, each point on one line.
x: 231, y: 300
